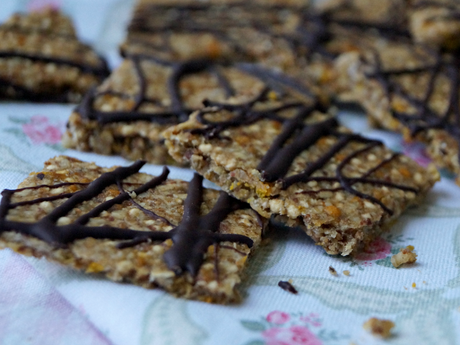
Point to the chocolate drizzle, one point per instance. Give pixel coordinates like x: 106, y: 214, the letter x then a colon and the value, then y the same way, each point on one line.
x: 296, y: 137
x: 100, y: 71
x: 313, y: 32
x: 422, y: 117
x: 191, y: 238
x: 311, y: 36
x: 177, y: 111
x: 206, y: 16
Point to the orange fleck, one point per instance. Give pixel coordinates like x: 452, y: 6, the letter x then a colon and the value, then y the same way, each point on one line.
x: 272, y: 96
x: 407, y: 135
x: 399, y: 106
x: 242, y: 139
x: 141, y: 259
x: 94, y: 267
x: 340, y: 157
x: 211, y: 250
x: 327, y: 75
x: 73, y: 188
x: 350, y: 47
x: 263, y: 190
x: 241, y: 261
x: 214, y: 50
x: 333, y: 211
x: 405, y: 172
x: 414, y: 285
x: 378, y: 194
x: 21, y: 40
x: 322, y: 141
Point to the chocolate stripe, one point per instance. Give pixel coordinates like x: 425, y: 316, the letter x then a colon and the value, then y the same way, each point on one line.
x: 191, y: 238
x: 101, y: 70
x: 296, y: 137
x: 424, y: 117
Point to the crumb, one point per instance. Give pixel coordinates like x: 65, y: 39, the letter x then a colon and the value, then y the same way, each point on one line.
x: 347, y: 273
x: 405, y: 288
x: 378, y: 327
x: 333, y: 271
x: 414, y: 285
x: 405, y: 256
x: 287, y: 286
x: 424, y: 282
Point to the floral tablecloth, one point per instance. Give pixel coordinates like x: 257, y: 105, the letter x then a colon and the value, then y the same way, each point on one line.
x: 44, y: 303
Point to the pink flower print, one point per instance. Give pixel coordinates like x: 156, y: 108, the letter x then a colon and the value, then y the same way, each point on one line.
x: 38, y: 5
x: 295, y: 335
x: 278, y: 317
x: 417, y: 152
x: 40, y: 131
x: 312, y: 319
x: 378, y: 249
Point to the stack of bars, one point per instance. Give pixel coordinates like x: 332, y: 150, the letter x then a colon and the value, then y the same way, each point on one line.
x: 245, y: 94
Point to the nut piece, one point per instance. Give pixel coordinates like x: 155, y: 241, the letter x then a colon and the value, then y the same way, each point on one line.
x: 405, y: 256
x: 379, y: 328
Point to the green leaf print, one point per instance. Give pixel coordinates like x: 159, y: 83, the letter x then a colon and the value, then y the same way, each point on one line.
x: 253, y: 325
x: 256, y: 342
x: 455, y: 283
x: 10, y: 162
x: 384, y: 262
x: 57, y: 147
x: 164, y: 317
x: 17, y: 120
x: 16, y: 132
x: 434, y: 211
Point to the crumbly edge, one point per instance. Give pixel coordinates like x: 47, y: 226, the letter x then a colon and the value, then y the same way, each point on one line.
x: 137, y: 140
x: 246, y: 185
x: 141, y: 265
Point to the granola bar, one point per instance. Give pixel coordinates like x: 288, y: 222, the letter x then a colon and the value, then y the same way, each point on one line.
x: 41, y: 59
x: 298, y: 38
x: 263, y: 32
x: 411, y: 89
x: 335, y: 27
x: 145, y: 95
x: 129, y: 226
x: 292, y: 160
